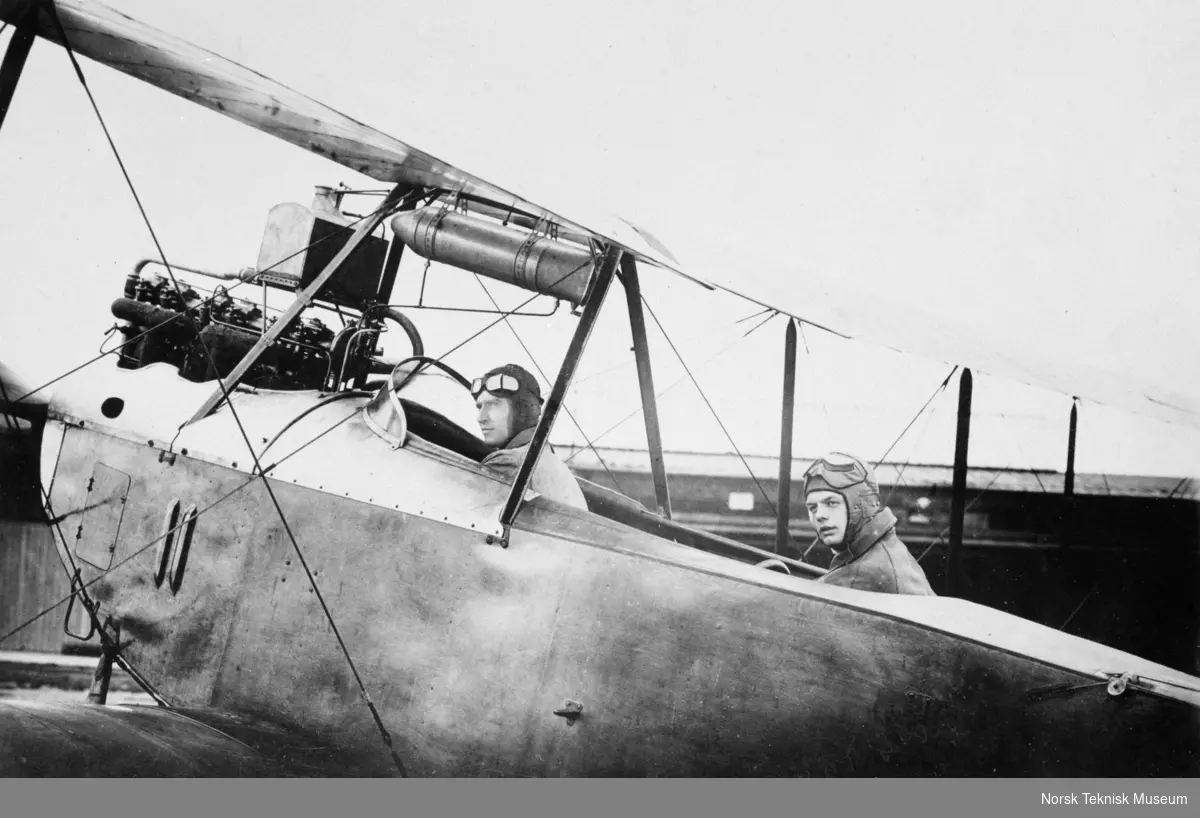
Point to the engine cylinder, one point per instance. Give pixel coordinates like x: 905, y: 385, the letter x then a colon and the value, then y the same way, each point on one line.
x: 527, y: 260
x: 167, y: 323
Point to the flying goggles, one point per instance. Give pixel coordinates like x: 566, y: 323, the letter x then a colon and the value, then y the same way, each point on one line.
x: 838, y: 470
x: 497, y: 383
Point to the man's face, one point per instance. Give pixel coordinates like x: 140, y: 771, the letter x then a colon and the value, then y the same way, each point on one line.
x: 495, y: 418
x: 828, y: 513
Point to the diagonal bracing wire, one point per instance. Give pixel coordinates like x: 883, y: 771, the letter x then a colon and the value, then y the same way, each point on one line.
x: 899, y: 437
x: 142, y: 549
x: 1017, y: 440
x: 631, y: 361
x: 388, y: 203
x: 924, y: 429
x: 946, y: 530
x: 760, y: 323
x: 707, y: 403
x: 664, y: 391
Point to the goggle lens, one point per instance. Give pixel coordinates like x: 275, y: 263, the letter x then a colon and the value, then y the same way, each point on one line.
x: 498, y: 384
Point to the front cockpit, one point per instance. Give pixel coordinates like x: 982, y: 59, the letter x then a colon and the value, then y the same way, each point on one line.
x: 430, y: 399
x: 304, y: 332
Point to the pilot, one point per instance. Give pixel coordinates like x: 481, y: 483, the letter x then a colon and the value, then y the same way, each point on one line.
x: 843, y: 504
x: 509, y: 401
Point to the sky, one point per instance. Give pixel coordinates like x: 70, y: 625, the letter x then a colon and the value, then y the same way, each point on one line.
x: 1026, y: 171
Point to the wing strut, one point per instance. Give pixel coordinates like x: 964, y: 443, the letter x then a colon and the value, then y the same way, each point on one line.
x: 1068, y: 533
x: 304, y: 298
x: 592, y: 304
x: 641, y: 350
x: 958, y: 491
x: 14, y: 59
x: 783, y: 510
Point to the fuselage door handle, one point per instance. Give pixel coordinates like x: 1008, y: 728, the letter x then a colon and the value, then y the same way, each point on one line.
x: 179, y: 554
x: 167, y: 542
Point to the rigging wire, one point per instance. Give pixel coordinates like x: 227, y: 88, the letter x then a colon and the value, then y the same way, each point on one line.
x: 943, y: 385
x: 1182, y: 482
x: 199, y: 513
x: 538, y: 366
x: 435, y: 308
x: 388, y: 203
x: 1078, y: 607
x: 904, y: 466
x: 603, y: 372
x: 803, y: 337
x: 754, y: 315
x: 946, y: 530
x: 110, y: 645
x: 728, y: 436
x: 920, y: 437
x: 663, y: 392
x: 1017, y: 440
x: 773, y: 314
x: 631, y: 361
x: 503, y: 316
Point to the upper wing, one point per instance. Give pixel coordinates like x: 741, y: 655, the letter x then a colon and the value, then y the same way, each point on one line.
x: 172, y: 64
x: 970, y: 337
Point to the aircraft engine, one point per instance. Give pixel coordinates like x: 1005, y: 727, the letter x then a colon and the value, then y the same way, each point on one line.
x: 519, y: 257
x: 156, y: 331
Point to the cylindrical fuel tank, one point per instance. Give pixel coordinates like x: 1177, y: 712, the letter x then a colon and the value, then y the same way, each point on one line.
x: 518, y: 257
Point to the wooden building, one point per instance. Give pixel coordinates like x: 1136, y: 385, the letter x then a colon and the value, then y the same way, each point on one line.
x: 31, y: 576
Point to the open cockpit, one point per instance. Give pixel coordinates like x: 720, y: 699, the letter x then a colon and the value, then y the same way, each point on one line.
x: 337, y: 272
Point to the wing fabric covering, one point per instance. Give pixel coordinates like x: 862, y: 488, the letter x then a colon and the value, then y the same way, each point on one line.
x: 72, y: 740
x: 970, y: 337
x: 120, y: 42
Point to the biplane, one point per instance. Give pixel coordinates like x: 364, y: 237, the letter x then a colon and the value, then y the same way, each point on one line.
x: 289, y: 542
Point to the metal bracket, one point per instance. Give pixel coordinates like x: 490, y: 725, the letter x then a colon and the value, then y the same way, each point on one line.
x: 76, y: 580
x: 1118, y: 684
x: 98, y: 693
x: 570, y: 710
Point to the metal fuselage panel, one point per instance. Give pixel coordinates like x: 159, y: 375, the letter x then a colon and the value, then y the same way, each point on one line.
x: 467, y: 649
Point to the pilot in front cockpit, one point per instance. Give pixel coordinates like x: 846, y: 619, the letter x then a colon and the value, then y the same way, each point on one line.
x: 509, y: 402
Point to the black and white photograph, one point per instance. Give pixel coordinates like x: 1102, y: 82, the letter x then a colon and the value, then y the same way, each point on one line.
x: 649, y: 389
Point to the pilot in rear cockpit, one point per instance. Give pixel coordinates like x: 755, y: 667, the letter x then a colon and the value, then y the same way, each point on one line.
x: 509, y: 401
x: 842, y: 498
